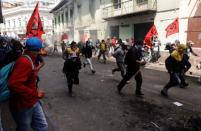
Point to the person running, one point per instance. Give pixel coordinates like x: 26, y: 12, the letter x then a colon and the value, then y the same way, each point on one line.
x: 187, y: 53
x: 55, y: 48
x: 72, y: 65
x: 119, y: 54
x: 87, y: 52
x: 97, y: 47
x: 175, y: 67
x: 155, y: 50
x: 103, y: 50
x: 133, y: 60
x: 24, y: 101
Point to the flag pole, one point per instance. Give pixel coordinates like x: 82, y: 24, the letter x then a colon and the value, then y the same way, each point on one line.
x: 179, y: 29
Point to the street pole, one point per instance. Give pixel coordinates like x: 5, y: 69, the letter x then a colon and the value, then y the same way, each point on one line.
x: 1, y: 15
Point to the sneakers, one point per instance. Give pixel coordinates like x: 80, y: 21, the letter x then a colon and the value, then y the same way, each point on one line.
x: 93, y: 71
x: 127, y: 82
x: 84, y: 65
x: 164, y: 93
x: 183, y: 85
x: 139, y: 94
x: 119, y: 90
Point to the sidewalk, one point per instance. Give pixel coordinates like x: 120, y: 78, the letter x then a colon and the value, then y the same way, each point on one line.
x: 193, y: 72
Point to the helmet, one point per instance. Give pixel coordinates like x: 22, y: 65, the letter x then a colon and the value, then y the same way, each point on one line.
x: 33, y: 44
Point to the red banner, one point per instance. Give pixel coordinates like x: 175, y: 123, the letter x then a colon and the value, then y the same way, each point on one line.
x: 172, y: 28
x: 35, y: 26
x: 152, y: 32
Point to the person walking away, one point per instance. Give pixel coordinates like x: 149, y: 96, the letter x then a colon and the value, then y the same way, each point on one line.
x: 133, y: 60
x: 97, y: 47
x: 103, y: 49
x: 24, y: 101
x: 174, y: 66
x: 87, y: 52
x: 55, y: 47
x: 187, y: 53
x: 72, y: 65
x: 119, y: 54
x: 155, y: 51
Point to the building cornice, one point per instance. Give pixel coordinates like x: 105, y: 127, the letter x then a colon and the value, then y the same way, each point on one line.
x: 23, y: 9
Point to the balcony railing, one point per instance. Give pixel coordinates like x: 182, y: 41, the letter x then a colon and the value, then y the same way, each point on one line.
x: 129, y: 7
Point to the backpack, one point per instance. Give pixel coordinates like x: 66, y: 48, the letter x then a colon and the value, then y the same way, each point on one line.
x: 4, y: 77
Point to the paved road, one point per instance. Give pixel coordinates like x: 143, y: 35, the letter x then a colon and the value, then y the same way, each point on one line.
x: 96, y: 105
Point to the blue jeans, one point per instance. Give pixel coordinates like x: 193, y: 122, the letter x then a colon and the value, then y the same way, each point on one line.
x: 30, y: 118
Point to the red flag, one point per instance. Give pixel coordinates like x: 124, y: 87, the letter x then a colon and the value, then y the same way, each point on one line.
x: 149, y: 35
x: 35, y: 26
x: 172, y: 28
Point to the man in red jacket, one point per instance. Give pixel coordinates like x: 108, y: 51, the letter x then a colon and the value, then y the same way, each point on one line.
x: 24, y: 102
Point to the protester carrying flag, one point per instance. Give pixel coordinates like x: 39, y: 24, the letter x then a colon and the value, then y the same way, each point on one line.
x: 35, y: 26
x: 172, y: 28
x: 152, y: 32
x: 151, y: 40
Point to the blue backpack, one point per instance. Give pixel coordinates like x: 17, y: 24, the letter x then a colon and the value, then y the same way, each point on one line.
x: 4, y: 77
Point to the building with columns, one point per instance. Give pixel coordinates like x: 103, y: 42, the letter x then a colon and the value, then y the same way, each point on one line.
x: 100, y: 19
x: 16, y: 16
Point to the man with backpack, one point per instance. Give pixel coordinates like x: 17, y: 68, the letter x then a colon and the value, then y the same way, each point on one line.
x: 133, y: 60
x: 24, y: 100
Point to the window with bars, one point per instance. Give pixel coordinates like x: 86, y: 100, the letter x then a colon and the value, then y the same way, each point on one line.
x: 71, y: 12
x: 62, y: 18
x: 55, y: 21
x: 142, y: 1
x: 13, y: 22
x: 117, y: 4
x: 66, y: 15
x: 20, y: 22
x: 59, y: 19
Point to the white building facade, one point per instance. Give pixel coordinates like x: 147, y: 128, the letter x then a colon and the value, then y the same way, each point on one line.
x: 100, y: 19
x: 16, y: 18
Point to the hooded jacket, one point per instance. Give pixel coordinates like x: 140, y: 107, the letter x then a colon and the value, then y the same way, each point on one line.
x: 22, y: 83
x: 174, y: 62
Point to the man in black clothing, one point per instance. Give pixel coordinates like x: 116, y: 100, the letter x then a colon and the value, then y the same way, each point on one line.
x: 87, y: 52
x: 175, y: 66
x: 72, y: 65
x: 133, y: 60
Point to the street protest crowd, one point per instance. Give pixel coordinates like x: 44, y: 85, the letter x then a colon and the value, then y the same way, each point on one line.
x: 21, y: 62
x: 22, y: 75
